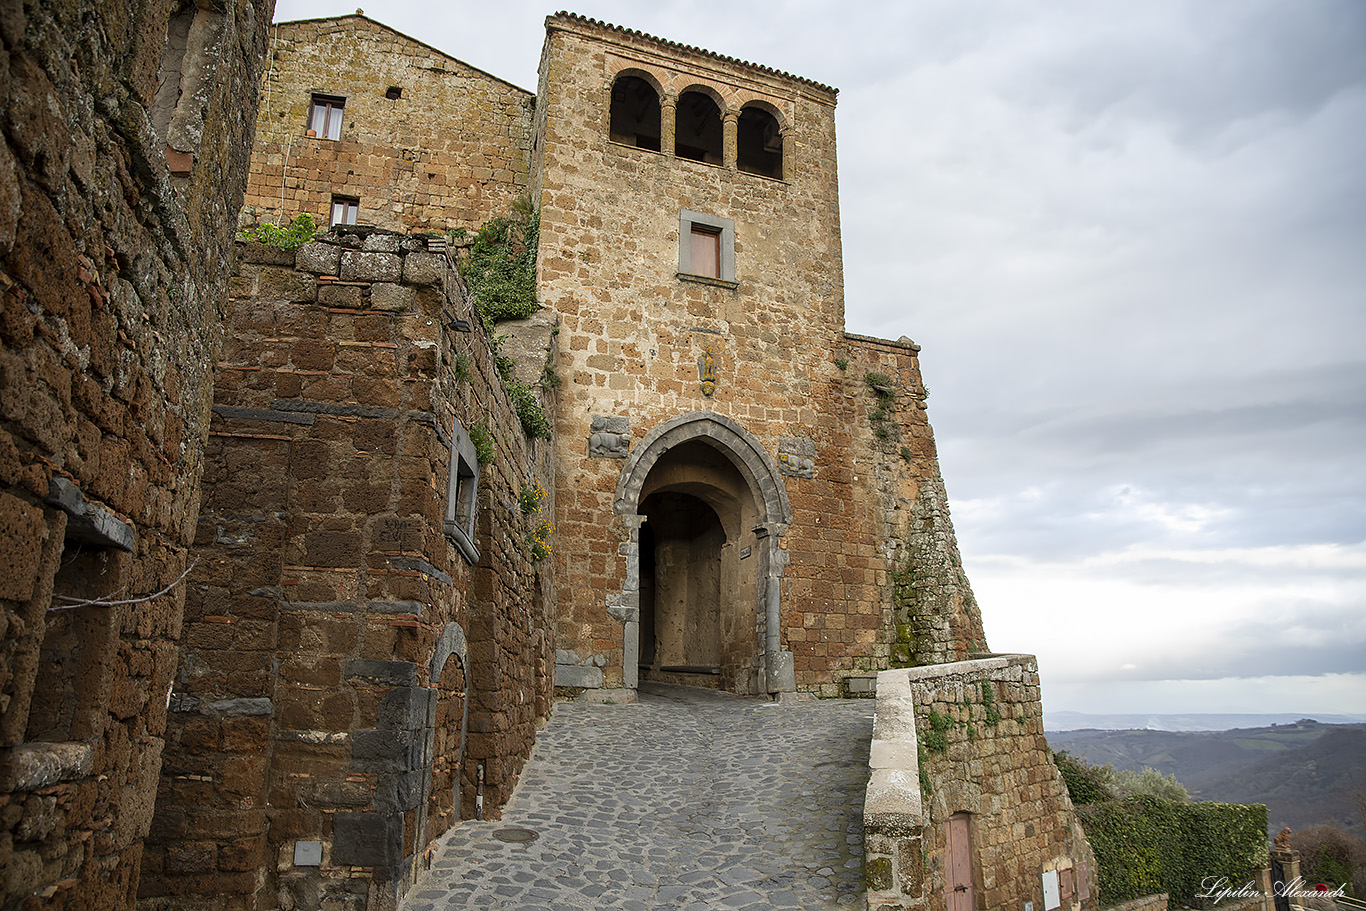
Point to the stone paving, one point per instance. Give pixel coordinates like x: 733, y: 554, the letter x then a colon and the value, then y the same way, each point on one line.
x: 688, y: 800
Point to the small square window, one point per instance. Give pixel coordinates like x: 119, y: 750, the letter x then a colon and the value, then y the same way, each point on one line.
x: 706, y: 251
x: 344, y: 210
x: 462, y: 492
x: 706, y: 247
x: 394, y: 92
x: 325, y: 116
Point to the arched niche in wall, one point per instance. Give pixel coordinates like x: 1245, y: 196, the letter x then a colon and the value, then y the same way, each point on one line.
x: 634, y: 113
x: 698, y: 134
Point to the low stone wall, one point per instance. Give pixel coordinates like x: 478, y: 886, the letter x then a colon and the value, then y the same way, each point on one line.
x: 365, y: 630
x: 1150, y: 903
x: 964, y: 741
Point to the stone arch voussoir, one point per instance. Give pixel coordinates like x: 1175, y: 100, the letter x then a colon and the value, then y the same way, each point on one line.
x: 726, y: 436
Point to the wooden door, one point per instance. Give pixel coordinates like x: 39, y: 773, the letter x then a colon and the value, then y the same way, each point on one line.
x: 958, y: 865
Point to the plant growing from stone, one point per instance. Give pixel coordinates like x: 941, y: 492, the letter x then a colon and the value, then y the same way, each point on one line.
x: 531, y: 500
x: 531, y: 497
x: 484, y: 447
x: 290, y: 237
x: 499, y: 266
x: 881, y: 385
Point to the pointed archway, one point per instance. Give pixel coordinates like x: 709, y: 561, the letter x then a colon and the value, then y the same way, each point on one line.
x: 706, y: 585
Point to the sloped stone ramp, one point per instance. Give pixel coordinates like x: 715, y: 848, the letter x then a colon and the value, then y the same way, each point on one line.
x: 688, y: 800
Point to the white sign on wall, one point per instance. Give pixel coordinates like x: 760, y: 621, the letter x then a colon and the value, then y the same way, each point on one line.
x: 1050, y: 890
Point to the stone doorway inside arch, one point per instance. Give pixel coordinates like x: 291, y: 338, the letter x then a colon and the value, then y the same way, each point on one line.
x: 709, y: 510
x: 699, y: 619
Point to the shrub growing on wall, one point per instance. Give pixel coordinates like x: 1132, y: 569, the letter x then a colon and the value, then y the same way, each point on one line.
x: 500, y: 265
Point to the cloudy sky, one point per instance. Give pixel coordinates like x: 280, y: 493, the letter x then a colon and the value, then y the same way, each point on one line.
x: 1131, y: 239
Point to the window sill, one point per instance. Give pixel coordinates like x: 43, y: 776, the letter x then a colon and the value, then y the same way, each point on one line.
x: 463, y: 542
x: 626, y: 145
x: 782, y: 180
x: 706, y: 280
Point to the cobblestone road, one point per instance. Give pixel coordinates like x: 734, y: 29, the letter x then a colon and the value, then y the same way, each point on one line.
x: 688, y: 800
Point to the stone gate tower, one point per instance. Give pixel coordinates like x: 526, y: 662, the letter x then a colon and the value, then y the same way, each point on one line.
x: 736, y: 474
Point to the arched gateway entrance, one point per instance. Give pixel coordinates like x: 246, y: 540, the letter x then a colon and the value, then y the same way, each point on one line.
x: 706, y: 508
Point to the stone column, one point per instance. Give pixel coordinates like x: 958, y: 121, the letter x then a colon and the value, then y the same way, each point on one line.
x: 1289, y: 859
x: 668, y: 123
x: 627, y: 606
x: 779, y: 671
x: 730, y: 126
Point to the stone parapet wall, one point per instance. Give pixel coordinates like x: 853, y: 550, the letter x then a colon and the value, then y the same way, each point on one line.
x: 126, y: 130
x: 451, y: 151
x: 1158, y: 902
x: 967, y: 738
x: 350, y: 663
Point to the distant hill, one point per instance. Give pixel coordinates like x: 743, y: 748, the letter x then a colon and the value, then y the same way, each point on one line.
x: 1077, y: 721
x: 1305, y: 772
x: 1300, y: 787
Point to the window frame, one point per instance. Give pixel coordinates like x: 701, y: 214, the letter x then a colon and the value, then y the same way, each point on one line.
x: 350, y: 206
x: 329, y: 104
x: 462, y: 493
x: 725, y: 228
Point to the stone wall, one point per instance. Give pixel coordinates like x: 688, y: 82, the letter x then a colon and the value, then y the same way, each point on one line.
x: 758, y: 358
x: 126, y: 128
x: 967, y: 738
x: 450, y: 151
x: 930, y: 615
x: 351, y: 659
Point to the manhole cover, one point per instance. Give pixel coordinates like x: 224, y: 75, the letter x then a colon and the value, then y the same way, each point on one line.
x: 515, y: 835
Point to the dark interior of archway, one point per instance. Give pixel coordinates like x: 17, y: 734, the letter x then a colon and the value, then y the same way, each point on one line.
x: 697, y: 131
x: 759, y: 144
x: 635, y: 113
x: 680, y: 585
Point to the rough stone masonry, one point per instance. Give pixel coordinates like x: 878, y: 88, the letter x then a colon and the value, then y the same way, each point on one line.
x: 127, y: 131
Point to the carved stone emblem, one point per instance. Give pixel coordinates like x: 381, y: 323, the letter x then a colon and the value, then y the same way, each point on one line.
x: 609, y: 438
x: 797, y: 457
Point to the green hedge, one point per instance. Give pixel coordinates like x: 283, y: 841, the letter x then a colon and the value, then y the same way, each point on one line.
x: 1146, y: 845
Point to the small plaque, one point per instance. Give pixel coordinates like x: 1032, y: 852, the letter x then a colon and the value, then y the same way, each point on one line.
x: 744, y: 552
x: 308, y: 853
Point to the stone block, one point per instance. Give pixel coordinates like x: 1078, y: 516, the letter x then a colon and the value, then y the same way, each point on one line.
x: 21, y: 544
x: 380, y: 751
x: 390, y: 673
x: 404, y: 708
x: 392, y: 298
x: 36, y: 765
x: 396, y: 793
x: 382, y: 242
x: 578, y: 676
x: 346, y: 297
x: 362, y: 266
x: 320, y: 259
x: 367, y: 839
x: 423, y: 268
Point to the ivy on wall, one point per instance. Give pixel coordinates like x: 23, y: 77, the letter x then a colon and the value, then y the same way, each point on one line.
x: 1146, y: 845
x: 499, y: 266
